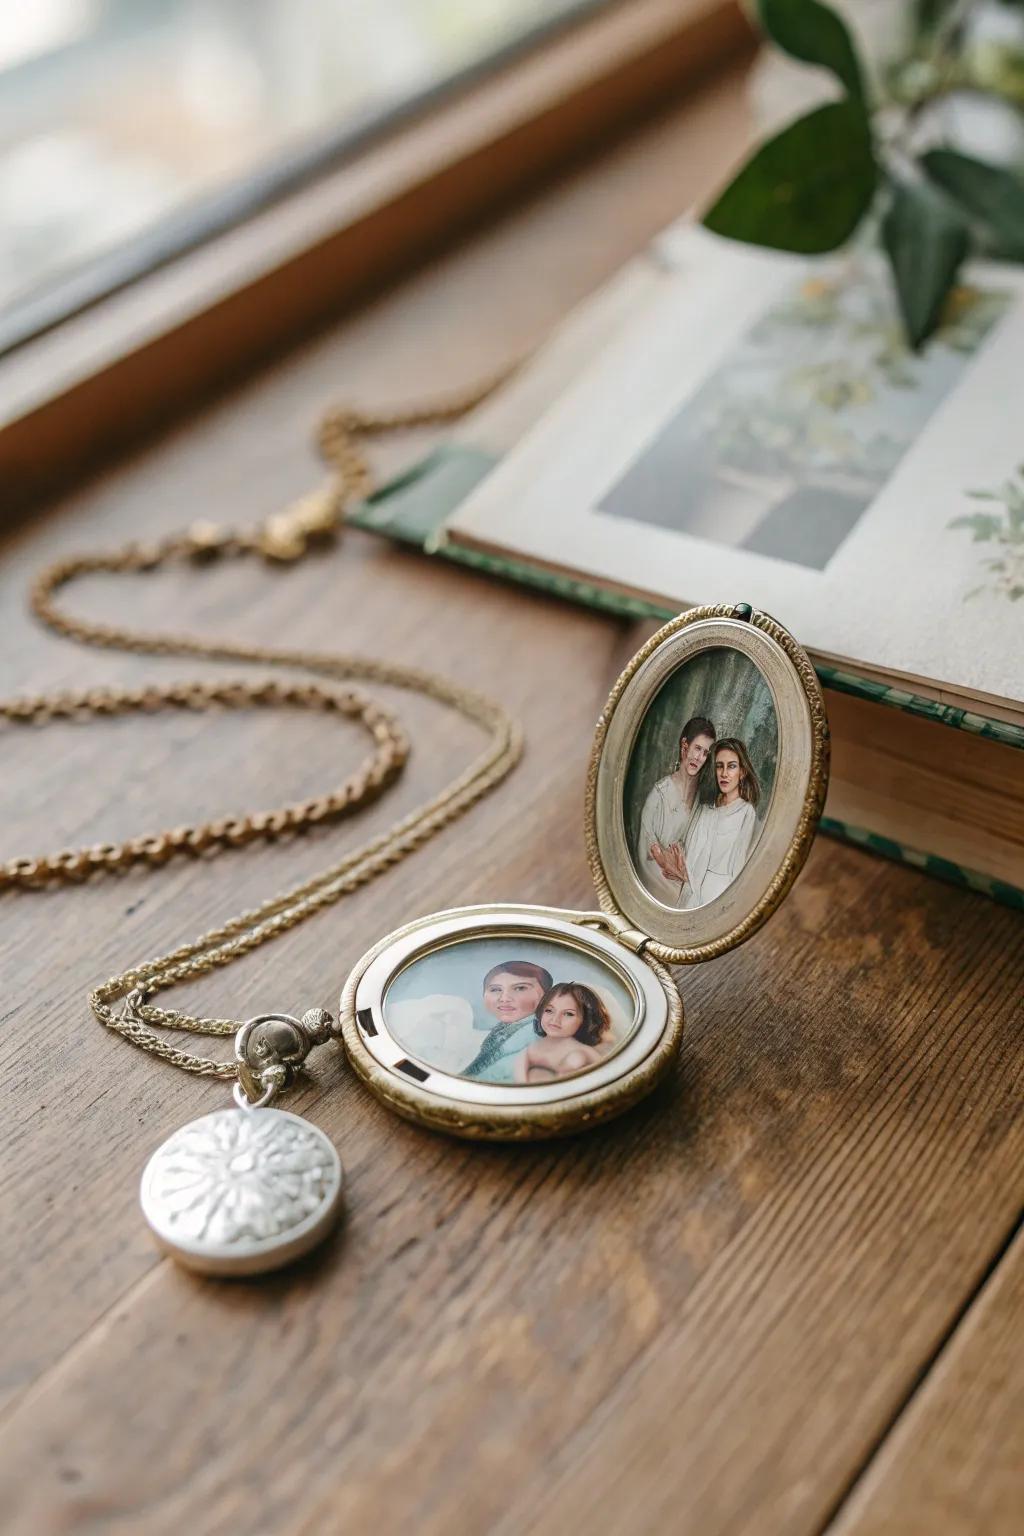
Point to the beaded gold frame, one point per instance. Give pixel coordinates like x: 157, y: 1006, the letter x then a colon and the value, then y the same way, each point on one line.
x: 798, y: 796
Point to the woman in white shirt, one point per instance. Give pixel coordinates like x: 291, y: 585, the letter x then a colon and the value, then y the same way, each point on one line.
x: 667, y: 812
x: 720, y: 836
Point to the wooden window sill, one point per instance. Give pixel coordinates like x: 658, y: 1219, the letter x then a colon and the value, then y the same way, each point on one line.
x: 133, y: 361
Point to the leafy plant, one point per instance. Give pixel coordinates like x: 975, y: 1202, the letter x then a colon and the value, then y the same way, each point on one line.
x: 1005, y: 530
x: 811, y: 186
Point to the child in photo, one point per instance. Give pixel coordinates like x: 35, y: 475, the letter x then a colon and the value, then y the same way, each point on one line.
x: 572, y: 1023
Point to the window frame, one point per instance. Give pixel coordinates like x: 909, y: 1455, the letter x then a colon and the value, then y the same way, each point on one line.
x: 131, y: 361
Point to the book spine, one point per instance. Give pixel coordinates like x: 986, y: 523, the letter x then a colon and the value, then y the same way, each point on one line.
x: 928, y: 863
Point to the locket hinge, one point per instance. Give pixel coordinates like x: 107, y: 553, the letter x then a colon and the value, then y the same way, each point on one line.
x: 631, y: 937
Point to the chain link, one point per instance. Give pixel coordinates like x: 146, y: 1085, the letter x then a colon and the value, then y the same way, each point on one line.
x: 371, y: 779
x: 123, y: 1003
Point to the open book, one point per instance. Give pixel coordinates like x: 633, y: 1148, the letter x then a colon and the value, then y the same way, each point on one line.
x: 761, y: 432
x: 723, y: 423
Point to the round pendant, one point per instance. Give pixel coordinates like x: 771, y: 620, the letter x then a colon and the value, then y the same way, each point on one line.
x: 510, y: 1022
x: 242, y: 1191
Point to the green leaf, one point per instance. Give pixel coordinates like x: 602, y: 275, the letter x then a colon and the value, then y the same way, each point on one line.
x: 926, y: 240
x: 1014, y: 499
x: 805, y: 190
x: 993, y: 196
x: 931, y: 14
x: 812, y: 32
x: 983, y: 526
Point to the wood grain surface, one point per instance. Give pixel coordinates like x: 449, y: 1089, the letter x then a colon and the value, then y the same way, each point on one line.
x: 703, y: 1319
x: 953, y: 1462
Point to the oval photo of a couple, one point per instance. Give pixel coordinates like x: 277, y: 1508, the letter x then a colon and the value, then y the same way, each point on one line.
x: 512, y: 1010
x: 700, y: 778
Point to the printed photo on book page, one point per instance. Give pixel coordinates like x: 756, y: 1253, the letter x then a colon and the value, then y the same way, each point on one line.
x: 763, y: 434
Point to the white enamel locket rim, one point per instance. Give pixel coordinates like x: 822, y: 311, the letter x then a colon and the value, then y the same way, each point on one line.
x: 473, y: 1108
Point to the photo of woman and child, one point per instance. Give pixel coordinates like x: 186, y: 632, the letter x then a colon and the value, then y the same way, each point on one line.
x: 693, y: 828
x: 553, y: 1015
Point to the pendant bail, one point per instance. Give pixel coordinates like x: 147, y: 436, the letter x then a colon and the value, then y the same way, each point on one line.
x: 270, y: 1047
x: 272, y: 1081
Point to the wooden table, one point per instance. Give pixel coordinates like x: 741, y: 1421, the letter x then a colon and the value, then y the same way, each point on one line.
x: 782, y: 1296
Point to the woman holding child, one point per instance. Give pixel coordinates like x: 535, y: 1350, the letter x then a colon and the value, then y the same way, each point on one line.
x: 544, y: 1030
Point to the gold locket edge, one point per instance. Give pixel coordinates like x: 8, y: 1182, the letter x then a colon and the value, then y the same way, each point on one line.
x: 509, y: 1123
x: 805, y: 680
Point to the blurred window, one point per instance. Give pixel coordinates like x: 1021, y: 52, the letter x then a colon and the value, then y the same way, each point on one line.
x: 132, y: 129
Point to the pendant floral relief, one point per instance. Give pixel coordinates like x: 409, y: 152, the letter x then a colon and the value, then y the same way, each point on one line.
x: 242, y: 1191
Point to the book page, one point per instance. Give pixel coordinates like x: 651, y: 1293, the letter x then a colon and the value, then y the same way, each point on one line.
x: 762, y: 434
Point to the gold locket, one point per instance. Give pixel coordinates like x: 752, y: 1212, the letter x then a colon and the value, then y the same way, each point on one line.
x: 513, y: 1022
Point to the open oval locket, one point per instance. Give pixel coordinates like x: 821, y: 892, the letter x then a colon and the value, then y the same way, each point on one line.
x: 512, y: 1022
x: 705, y: 785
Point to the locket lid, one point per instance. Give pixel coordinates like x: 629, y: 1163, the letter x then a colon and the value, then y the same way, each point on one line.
x: 695, y: 840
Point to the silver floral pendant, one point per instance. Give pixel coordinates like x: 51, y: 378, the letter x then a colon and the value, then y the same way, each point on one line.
x: 242, y: 1191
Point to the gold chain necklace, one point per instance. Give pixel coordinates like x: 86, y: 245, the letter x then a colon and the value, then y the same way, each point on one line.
x: 248, y: 1188
x: 122, y: 1003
